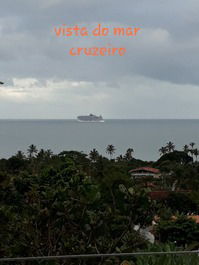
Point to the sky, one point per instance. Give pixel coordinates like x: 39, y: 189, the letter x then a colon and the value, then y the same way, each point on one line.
x: 156, y: 78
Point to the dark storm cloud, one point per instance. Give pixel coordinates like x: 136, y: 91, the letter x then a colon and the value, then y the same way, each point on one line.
x: 165, y: 51
x: 29, y: 45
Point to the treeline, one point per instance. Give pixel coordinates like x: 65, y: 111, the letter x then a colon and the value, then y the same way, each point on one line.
x: 74, y: 203
x: 190, y: 149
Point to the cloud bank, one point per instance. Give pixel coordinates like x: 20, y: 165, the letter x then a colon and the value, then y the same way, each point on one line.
x: 157, y: 78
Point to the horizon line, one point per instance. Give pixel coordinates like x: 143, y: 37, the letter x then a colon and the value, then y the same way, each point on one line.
x: 104, y: 119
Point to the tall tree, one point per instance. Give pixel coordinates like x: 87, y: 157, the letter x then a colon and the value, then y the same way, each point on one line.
x: 196, y: 153
x: 163, y: 150
x: 20, y: 155
x: 119, y: 158
x: 170, y: 146
x: 32, y: 150
x: 186, y: 148
x: 93, y: 155
x: 192, y: 144
x: 41, y: 154
x: 49, y: 153
x: 129, y: 154
x: 110, y: 150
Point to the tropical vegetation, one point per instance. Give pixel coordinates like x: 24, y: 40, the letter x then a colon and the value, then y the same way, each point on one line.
x: 74, y: 203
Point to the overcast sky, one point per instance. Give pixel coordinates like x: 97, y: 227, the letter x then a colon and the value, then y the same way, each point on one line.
x: 157, y: 78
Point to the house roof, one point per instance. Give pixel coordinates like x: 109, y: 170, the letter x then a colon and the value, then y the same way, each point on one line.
x: 163, y: 194
x: 152, y: 185
x: 147, y: 169
x: 159, y: 195
x: 195, y: 218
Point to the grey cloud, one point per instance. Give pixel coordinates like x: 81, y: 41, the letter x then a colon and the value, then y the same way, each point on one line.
x: 165, y: 50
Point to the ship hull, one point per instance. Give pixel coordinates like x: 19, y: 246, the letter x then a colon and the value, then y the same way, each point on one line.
x: 89, y: 121
x: 90, y: 118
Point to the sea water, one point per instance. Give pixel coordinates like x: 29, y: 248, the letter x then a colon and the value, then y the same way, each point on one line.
x: 146, y: 137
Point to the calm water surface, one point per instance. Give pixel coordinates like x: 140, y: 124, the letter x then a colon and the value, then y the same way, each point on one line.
x: 145, y: 136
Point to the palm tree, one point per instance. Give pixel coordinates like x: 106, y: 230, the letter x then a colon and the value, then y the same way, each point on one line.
x: 163, y: 150
x: 192, y: 144
x: 119, y: 158
x: 186, y: 148
x: 93, y: 155
x: 196, y: 153
x: 20, y: 155
x: 110, y: 150
x: 49, y: 153
x: 192, y: 150
x: 170, y: 146
x: 129, y: 154
x: 32, y: 149
x: 41, y: 154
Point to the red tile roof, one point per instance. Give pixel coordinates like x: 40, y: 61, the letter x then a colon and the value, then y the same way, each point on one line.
x: 159, y: 195
x: 195, y: 218
x: 148, y: 169
x: 164, y: 194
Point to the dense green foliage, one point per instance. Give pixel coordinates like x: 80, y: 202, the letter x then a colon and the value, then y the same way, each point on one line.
x: 166, y: 259
x: 72, y: 203
x: 181, y: 231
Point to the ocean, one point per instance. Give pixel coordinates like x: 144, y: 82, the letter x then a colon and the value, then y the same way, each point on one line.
x: 144, y: 136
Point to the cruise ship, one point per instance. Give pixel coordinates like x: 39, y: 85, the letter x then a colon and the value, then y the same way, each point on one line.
x: 90, y: 118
